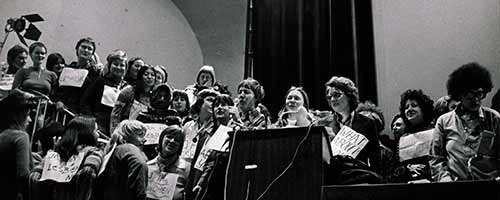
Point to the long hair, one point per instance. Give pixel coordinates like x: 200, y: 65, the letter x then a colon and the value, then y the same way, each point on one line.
x: 425, y: 103
x: 14, y: 110
x: 177, y: 133
x: 80, y: 131
x: 139, y: 88
x: 53, y: 59
x: 304, y: 97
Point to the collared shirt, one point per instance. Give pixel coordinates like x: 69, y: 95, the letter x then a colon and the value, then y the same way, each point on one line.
x: 466, y: 147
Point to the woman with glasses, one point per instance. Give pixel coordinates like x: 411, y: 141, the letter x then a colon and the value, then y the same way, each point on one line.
x: 466, y: 144
x: 342, y: 96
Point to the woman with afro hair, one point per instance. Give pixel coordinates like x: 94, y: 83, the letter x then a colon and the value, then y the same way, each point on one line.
x: 466, y: 144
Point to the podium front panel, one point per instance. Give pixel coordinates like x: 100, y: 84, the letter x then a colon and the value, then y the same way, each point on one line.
x: 271, y: 151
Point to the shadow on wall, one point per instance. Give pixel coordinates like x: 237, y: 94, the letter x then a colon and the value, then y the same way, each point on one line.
x: 155, y: 30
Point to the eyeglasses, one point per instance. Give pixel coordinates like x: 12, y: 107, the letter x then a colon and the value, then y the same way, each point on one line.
x: 475, y: 94
x: 337, y: 94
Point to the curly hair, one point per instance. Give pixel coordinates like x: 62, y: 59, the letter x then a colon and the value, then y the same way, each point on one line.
x: 468, y: 77
x: 348, y: 87
x: 424, y: 102
x: 372, y: 109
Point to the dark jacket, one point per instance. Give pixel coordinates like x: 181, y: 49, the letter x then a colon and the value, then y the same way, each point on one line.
x: 90, y: 103
x: 125, y: 176
x: 15, y: 156
x: 71, y: 96
x: 371, y: 152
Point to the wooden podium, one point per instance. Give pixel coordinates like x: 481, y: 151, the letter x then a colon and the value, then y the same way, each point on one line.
x: 260, y: 156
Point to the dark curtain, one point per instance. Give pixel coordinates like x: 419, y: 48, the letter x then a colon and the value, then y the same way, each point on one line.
x: 304, y: 43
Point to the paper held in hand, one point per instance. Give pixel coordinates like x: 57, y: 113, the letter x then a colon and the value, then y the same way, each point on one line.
x: 54, y: 169
x: 348, y: 142
x: 161, y: 185
x: 415, y: 145
x: 218, y: 140
x: 72, y: 77
x: 153, y: 131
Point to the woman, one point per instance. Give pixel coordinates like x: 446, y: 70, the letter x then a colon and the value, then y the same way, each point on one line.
x: 133, y: 100
x: 134, y: 64
x: 125, y: 176
x: 296, y: 109
x: 467, y: 140
x: 55, y: 63
x: 204, y: 79
x: 416, y: 110
x: 161, y: 74
x: 79, y: 140
x: 250, y: 94
x: 342, y: 96
x: 16, y: 58
x: 100, y: 96
x: 167, y: 161
x: 180, y: 103
x: 211, y: 182
x: 36, y: 77
x: 15, y: 152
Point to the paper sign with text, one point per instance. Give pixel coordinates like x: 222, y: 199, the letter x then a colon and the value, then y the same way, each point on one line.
x: 109, y: 96
x: 54, y: 169
x: 161, y: 185
x: 348, y: 142
x: 153, y: 131
x: 136, y: 109
x: 72, y: 77
x: 6, y: 82
x: 218, y: 140
x: 415, y: 145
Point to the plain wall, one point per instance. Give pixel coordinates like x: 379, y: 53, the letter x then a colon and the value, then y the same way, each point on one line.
x: 418, y: 43
x: 154, y: 29
x: 220, y: 28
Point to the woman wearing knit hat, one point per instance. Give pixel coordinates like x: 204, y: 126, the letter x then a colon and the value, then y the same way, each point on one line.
x: 204, y: 79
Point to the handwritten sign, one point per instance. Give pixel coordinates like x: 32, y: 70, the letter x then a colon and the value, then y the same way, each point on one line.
x: 218, y: 140
x: 109, y: 96
x: 6, y: 82
x: 153, y: 131
x: 63, y: 172
x: 72, y: 77
x: 190, y: 141
x: 161, y: 185
x: 415, y: 145
x: 348, y: 142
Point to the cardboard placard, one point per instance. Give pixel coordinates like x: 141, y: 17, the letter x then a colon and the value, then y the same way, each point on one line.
x: 415, y: 145
x: 161, y: 185
x: 348, y: 142
x: 72, y: 77
x: 63, y: 172
x: 153, y: 131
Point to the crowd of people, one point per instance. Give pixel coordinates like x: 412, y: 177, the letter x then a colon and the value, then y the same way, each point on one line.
x: 106, y: 150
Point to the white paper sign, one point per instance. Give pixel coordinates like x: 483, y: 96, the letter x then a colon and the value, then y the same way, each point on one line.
x: 54, y: 169
x: 415, y: 145
x: 153, y: 131
x: 6, y: 82
x: 72, y: 77
x: 109, y: 96
x: 202, y: 158
x: 106, y: 159
x: 161, y: 185
x: 348, y: 142
x: 218, y: 140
